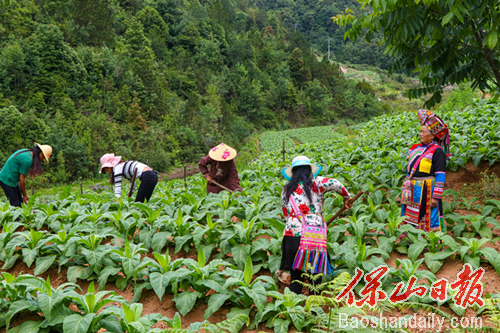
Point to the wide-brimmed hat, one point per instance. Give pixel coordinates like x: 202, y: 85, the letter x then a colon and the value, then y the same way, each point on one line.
x: 109, y: 161
x: 298, y: 161
x: 46, y: 151
x: 222, y: 153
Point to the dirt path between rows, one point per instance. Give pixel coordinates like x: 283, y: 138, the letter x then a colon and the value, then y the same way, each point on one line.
x: 178, y: 173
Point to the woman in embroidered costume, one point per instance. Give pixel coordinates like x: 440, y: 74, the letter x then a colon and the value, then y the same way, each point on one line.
x: 304, y: 238
x: 426, y: 174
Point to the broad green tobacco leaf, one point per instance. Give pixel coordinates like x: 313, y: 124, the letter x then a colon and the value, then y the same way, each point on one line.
x: 214, y: 303
x: 77, y: 323
x: 281, y: 325
x: 43, y: 264
x: 159, y: 282
x: 240, y: 254
x: 185, y: 300
x: 258, y: 294
x: 27, y: 327
x: 79, y: 272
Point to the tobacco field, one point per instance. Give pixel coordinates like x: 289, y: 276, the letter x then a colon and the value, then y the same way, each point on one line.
x: 182, y: 245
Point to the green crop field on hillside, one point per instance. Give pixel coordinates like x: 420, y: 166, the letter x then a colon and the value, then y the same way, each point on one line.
x: 273, y: 141
x: 213, y: 264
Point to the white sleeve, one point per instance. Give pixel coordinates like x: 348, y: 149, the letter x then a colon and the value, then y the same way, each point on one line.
x: 118, y: 176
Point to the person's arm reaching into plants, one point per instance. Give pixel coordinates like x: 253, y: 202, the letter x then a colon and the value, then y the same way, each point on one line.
x: 331, y: 184
x: 23, y: 172
x: 22, y: 184
x: 202, y: 165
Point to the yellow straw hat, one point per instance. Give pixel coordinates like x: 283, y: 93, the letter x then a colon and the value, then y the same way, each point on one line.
x: 46, y: 151
x: 222, y: 153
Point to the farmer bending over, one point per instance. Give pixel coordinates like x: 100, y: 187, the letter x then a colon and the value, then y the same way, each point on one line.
x: 118, y: 169
x: 222, y: 169
x: 23, y: 162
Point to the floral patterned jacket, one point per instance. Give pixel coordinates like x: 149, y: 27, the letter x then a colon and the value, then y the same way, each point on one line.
x: 313, y: 212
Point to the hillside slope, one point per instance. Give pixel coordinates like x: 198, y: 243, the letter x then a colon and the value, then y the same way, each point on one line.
x: 159, y: 81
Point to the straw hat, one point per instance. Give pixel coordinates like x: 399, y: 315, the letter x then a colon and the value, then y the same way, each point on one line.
x: 297, y: 161
x: 109, y: 161
x: 222, y: 153
x: 46, y: 151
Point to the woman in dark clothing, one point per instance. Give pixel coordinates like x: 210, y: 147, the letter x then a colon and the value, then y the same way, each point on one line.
x: 426, y: 174
x: 222, y: 169
x: 20, y: 164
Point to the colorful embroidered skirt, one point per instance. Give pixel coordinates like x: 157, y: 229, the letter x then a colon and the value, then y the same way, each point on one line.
x: 418, y: 211
x: 290, y: 248
x: 312, y: 251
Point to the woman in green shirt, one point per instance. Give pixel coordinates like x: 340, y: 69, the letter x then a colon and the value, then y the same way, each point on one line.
x: 20, y: 164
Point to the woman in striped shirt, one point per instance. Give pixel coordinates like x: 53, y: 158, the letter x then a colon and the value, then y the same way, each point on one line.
x: 118, y: 169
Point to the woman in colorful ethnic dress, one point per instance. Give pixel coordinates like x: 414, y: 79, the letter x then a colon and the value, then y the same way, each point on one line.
x: 426, y: 174
x: 304, y: 239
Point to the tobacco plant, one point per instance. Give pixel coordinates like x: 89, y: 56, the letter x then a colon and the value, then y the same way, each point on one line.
x: 470, y: 251
x: 31, y: 242
x: 241, y: 289
x: 478, y: 225
x: 245, y: 239
x: 196, y: 281
x: 162, y: 271
x: 130, y: 262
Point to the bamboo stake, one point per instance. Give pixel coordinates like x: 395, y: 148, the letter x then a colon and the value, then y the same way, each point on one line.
x: 283, y: 151
x: 343, y: 209
x: 132, y: 183
x: 185, y: 175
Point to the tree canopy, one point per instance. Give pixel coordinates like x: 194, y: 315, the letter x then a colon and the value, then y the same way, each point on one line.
x: 445, y: 42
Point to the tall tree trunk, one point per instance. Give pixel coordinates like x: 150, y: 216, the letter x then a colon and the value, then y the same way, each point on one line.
x: 487, y: 56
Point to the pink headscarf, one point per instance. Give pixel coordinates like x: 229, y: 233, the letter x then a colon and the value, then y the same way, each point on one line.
x: 109, y: 161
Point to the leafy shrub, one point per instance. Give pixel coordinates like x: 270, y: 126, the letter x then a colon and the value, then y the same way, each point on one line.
x: 365, y: 88
x: 491, y: 185
x: 459, y: 99
x: 401, y: 78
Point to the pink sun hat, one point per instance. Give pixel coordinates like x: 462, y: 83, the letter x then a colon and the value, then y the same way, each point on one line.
x: 109, y: 161
x: 222, y: 153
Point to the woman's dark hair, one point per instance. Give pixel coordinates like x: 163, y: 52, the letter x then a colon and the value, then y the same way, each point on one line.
x: 36, y: 165
x: 302, y: 174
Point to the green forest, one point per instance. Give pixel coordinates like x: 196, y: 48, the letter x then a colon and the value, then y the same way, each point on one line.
x: 163, y: 80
